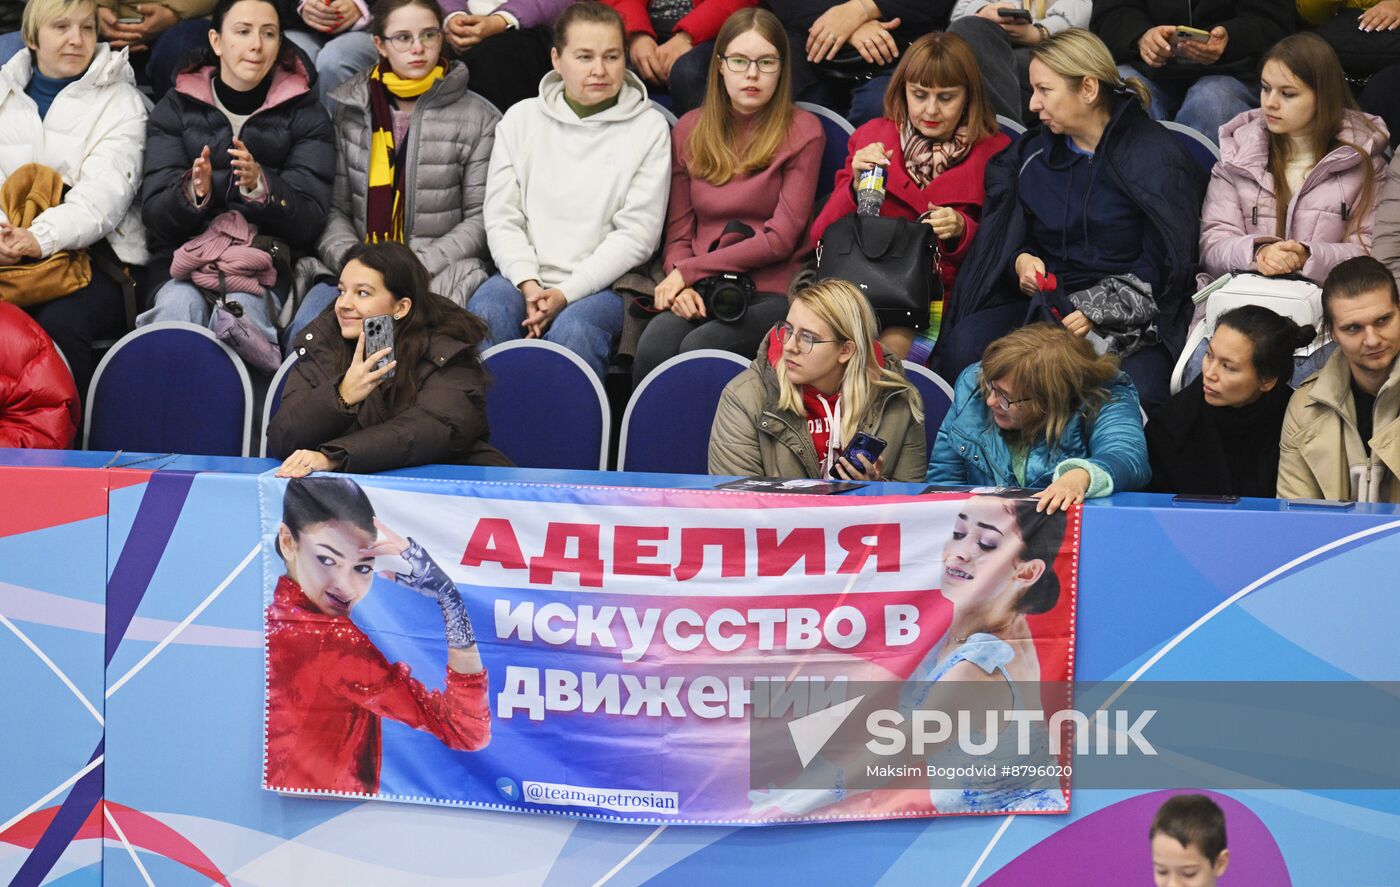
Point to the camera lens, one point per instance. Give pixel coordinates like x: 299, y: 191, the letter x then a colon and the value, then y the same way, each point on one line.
x: 728, y: 301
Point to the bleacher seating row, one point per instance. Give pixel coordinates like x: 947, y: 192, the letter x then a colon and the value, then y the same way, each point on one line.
x: 175, y: 388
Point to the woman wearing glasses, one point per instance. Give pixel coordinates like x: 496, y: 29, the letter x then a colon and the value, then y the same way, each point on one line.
x: 746, y: 156
x: 819, y: 378
x: 1043, y: 410
x: 414, y: 145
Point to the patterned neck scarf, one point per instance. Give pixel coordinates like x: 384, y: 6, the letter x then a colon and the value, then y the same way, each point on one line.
x: 925, y: 159
x: 384, y: 202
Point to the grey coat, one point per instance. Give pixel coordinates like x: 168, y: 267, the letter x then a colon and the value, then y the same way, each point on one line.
x: 449, y: 148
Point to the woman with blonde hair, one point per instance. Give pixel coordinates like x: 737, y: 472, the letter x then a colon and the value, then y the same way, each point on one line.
x: 1043, y: 410
x: 743, y: 176
x: 71, y: 104
x: 1295, y: 188
x: 1091, y: 221
x: 819, y: 379
x: 934, y: 141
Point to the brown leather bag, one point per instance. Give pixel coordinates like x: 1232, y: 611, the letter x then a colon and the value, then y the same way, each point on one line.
x: 28, y: 191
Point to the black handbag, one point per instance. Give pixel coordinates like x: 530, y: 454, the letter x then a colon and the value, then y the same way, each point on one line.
x: 893, y: 261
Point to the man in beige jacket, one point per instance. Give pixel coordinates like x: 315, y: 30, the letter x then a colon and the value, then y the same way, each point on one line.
x: 1341, y: 435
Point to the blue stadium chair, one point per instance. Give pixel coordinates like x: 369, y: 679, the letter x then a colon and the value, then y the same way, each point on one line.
x: 1201, y: 148
x: 666, y: 427
x: 838, y: 132
x: 547, y: 409
x: 1013, y: 129
x: 170, y: 388
x: 937, y: 395
x: 665, y: 112
x: 273, y: 399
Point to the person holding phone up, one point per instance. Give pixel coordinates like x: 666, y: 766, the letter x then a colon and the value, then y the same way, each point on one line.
x: 348, y: 410
x: 820, y: 382
x: 1199, y: 58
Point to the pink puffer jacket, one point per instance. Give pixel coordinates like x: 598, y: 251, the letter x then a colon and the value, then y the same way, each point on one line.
x: 1240, y: 211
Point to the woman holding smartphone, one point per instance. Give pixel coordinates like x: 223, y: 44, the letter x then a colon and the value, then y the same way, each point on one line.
x: 343, y: 411
x: 819, y: 380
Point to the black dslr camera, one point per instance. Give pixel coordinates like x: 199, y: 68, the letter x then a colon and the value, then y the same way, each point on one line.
x: 726, y: 296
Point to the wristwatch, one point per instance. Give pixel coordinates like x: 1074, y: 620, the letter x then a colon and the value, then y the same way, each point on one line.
x: 1044, y: 31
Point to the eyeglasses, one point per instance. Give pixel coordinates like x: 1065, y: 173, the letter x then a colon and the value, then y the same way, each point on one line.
x: 806, y: 340
x: 403, y: 41
x: 740, y: 64
x: 1005, y: 402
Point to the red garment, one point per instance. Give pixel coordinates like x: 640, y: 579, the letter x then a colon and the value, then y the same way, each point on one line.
x: 959, y: 187
x: 821, y: 410
x: 776, y: 202
x: 38, y: 401
x: 818, y: 423
x: 701, y: 23
x: 328, y: 686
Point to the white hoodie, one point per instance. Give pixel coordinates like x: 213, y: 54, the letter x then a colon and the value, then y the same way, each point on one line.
x: 94, y: 136
x: 574, y: 202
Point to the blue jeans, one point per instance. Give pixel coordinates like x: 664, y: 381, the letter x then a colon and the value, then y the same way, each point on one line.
x: 316, y: 300
x: 1204, y: 105
x: 337, y: 58
x: 182, y: 300
x: 688, y: 78
x: 588, y: 326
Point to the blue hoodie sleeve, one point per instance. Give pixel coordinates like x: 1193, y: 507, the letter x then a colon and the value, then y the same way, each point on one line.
x: 1117, y: 443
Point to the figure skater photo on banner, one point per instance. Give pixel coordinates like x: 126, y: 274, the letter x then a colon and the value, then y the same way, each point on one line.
x: 328, y: 685
x: 998, y: 572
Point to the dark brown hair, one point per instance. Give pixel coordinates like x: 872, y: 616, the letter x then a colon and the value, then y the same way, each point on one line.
x: 586, y: 11
x: 385, y: 8
x: 1194, y: 821
x: 428, y: 313
x: 1355, y: 277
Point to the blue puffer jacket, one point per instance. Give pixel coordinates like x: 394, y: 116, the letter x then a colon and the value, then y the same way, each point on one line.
x: 971, y: 450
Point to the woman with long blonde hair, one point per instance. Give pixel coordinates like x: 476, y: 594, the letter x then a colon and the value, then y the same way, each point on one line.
x: 1043, y: 410
x: 819, y: 379
x: 743, y: 177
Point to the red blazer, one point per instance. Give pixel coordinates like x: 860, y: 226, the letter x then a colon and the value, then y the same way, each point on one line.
x: 959, y: 187
x: 701, y: 23
x: 38, y: 401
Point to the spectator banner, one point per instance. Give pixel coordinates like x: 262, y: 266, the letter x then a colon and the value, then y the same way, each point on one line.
x: 633, y: 640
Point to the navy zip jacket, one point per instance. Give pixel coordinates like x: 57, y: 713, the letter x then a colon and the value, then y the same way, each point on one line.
x: 1137, y: 158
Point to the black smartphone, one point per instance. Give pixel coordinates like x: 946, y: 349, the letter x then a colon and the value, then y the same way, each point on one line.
x: 379, y: 334
x: 864, y: 444
x: 1207, y: 498
x: 1020, y: 15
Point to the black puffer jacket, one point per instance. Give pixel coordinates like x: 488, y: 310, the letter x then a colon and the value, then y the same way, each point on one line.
x: 290, y: 137
x: 445, y: 423
x: 1253, y: 26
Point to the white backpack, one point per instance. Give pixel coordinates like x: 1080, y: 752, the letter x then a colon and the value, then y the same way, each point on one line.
x: 1300, y: 300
